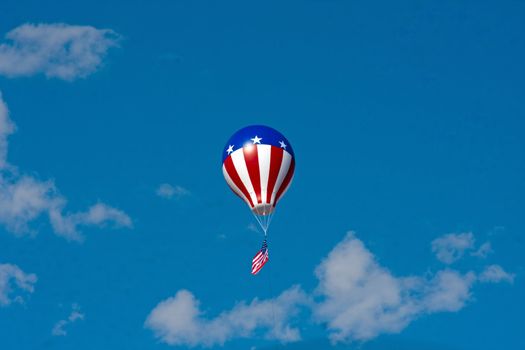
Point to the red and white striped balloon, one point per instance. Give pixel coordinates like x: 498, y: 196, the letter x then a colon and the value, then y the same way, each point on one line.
x: 258, y: 165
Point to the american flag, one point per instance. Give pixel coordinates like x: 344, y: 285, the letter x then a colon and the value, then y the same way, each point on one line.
x: 260, y: 258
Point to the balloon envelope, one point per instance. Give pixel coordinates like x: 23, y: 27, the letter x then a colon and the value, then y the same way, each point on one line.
x: 258, y: 164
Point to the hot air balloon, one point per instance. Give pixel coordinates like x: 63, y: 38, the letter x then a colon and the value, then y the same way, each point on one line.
x: 258, y: 164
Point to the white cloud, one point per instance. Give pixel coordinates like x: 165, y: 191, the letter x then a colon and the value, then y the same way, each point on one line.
x: 448, y: 290
x: 7, y: 127
x: 13, y: 282
x: 179, y: 321
x: 25, y: 198
x: 495, y: 274
x: 360, y: 299
x: 56, y: 50
x: 168, y: 191
x: 483, y: 251
x: 59, y: 329
x: 99, y: 215
x: 451, y: 247
x: 356, y: 299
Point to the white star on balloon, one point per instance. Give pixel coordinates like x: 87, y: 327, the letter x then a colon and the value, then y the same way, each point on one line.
x: 283, y: 145
x: 230, y: 149
x: 256, y: 140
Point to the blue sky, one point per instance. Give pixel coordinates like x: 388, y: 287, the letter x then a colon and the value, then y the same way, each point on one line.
x: 406, y: 119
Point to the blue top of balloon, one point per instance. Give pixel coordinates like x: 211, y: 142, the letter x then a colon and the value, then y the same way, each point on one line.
x: 256, y: 134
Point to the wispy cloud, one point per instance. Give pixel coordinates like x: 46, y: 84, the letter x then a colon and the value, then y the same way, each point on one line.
x: 7, y: 127
x: 59, y: 329
x: 483, y: 251
x: 98, y: 215
x: 13, y: 283
x: 451, y: 247
x: 179, y: 320
x: 168, y: 191
x: 56, y: 50
x: 495, y: 274
x: 356, y: 299
x: 25, y: 198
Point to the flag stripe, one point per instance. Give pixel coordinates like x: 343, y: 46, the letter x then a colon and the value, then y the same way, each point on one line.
x: 257, y: 267
x: 260, y: 258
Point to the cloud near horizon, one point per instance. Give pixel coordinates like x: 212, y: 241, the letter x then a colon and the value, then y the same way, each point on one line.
x: 179, y: 321
x: 57, y: 50
x: 359, y: 299
x: 356, y: 299
x: 25, y: 198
